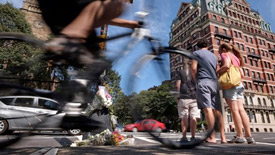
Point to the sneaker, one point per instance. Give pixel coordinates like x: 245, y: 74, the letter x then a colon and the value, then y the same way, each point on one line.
x: 250, y: 140
x: 184, y: 140
x: 192, y: 139
x: 237, y: 139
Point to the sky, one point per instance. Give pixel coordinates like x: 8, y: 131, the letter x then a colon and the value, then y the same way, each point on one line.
x: 162, y: 12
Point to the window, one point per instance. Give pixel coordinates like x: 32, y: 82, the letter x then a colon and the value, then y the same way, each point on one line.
x: 214, y: 17
x: 246, y: 39
x: 206, y: 30
x: 47, y: 104
x: 256, y: 63
x: 245, y: 85
x: 259, y: 102
x: 250, y: 88
x: 264, y: 102
x: 245, y: 100
x: 260, y: 41
x: 249, y: 115
x: 262, y: 88
x: 251, y: 62
x: 251, y: 100
x: 251, y: 41
x: 240, y: 35
x: 7, y: 101
x: 247, y: 72
x: 24, y: 102
x: 218, y: 42
x: 271, y: 91
x: 194, y: 36
x: 256, y: 89
x: 267, y: 117
x: 258, y: 75
x: 242, y: 47
x: 262, y: 117
x: 238, y: 45
x: 248, y: 49
x: 253, y: 50
x: 254, y: 116
x: 253, y: 74
x: 224, y: 32
x: 216, y: 29
x: 223, y: 20
x: 235, y: 34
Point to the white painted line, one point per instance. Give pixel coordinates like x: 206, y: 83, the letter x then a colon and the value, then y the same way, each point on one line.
x: 270, y: 138
x: 265, y: 143
x: 52, y: 151
x: 41, y: 151
x: 148, y: 140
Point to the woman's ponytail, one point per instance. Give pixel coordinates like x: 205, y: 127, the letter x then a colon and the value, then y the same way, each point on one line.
x: 237, y: 53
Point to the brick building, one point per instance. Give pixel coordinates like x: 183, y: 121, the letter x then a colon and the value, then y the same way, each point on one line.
x: 232, y: 21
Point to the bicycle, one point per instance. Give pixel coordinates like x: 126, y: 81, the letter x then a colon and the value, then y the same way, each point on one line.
x: 155, y: 55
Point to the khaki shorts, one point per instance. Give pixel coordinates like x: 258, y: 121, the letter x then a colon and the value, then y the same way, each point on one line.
x: 188, y: 107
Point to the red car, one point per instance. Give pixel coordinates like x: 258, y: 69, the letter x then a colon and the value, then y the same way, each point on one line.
x: 145, y: 125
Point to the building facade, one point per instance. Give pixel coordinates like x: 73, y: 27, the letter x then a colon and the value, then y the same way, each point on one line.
x: 34, y: 17
x: 232, y: 21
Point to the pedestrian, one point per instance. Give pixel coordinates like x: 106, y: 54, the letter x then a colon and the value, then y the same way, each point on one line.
x: 187, y: 104
x: 207, y: 88
x: 230, y: 55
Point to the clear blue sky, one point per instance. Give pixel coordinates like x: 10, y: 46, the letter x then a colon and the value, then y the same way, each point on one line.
x: 163, y: 12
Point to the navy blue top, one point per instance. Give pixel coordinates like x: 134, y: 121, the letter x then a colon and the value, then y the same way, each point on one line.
x: 208, y: 70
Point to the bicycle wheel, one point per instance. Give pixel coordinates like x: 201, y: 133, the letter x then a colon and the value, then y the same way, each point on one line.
x: 22, y: 72
x: 159, y: 102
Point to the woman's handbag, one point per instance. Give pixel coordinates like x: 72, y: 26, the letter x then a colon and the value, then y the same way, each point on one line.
x: 231, y: 78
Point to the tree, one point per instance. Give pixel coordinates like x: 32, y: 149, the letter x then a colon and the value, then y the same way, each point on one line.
x: 112, y: 83
x: 157, y: 104
x: 21, y: 59
x: 122, y: 110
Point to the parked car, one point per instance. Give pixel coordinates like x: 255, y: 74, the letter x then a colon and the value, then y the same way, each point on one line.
x: 23, y: 108
x: 145, y: 125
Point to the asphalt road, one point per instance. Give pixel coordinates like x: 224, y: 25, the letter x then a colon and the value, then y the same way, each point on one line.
x: 58, y: 143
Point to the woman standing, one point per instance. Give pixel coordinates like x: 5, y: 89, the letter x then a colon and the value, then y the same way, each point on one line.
x: 234, y: 96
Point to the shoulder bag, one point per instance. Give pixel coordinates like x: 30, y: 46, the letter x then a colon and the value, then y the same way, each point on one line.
x: 231, y: 78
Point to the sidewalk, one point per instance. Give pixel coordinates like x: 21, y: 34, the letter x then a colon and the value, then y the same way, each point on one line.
x: 150, y: 149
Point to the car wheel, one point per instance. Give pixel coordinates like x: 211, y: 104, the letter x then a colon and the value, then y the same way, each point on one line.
x: 3, y: 126
x: 74, y: 131
x: 135, y: 130
x: 158, y: 129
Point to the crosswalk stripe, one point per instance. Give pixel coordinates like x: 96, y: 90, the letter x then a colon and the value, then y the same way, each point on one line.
x: 148, y: 140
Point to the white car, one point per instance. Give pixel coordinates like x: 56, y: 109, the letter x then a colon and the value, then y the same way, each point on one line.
x: 22, y: 113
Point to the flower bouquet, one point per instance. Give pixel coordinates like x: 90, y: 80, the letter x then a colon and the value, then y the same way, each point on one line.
x: 106, y: 138
x: 118, y: 139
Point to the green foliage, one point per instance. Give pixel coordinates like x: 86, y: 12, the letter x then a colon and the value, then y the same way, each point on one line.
x: 13, y: 20
x: 112, y: 83
x: 20, y: 58
x: 122, y: 109
x: 157, y: 104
